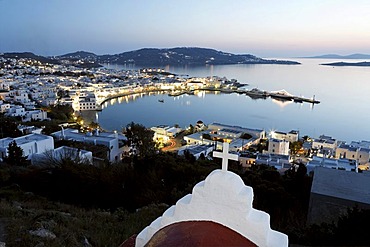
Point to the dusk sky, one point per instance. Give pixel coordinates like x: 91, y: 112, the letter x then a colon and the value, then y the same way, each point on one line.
x: 282, y: 28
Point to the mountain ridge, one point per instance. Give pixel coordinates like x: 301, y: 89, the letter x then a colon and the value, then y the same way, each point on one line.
x: 155, y: 57
x: 185, y: 56
x: 336, y: 56
x: 359, y: 64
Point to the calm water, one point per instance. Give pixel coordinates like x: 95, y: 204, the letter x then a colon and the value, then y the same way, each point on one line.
x: 343, y: 91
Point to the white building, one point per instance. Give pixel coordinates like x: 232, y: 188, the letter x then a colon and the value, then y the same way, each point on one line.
x: 340, y: 164
x: 35, y: 115
x: 4, y: 107
x: 257, y: 133
x: 25, y: 129
x: 196, y: 150
x: 163, y: 133
x: 216, y: 138
x: 87, y: 104
x: 291, y: 136
x: 325, y: 146
x: 55, y: 156
x: 30, y: 144
x: 324, y: 142
x: 361, y: 144
x: 358, y: 153
x: 280, y: 162
x: 21, y: 97
x: 276, y: 146
x: 247, y: 159
x: 16, y: 111
x: 112, y: 140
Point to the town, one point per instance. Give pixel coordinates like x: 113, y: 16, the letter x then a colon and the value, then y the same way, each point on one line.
x: 29, y: 88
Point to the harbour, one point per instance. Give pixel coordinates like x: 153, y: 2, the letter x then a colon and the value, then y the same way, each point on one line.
x: 332, y: 116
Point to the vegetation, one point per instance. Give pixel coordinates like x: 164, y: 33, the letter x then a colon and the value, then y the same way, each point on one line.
x: 60, y: 112
x: 22, y: 212
x: 15, y: 155
x: 8, y: 127
x: 103, y: 202
x: 140, y: 138
x: 103, y: 206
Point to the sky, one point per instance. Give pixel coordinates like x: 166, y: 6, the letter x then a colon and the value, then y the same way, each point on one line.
x: 265, y: 28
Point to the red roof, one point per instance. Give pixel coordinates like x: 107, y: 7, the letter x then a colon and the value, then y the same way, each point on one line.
x: 198, y: 233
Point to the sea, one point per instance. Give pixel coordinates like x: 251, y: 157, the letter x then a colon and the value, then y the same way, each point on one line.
x: 343, y: 92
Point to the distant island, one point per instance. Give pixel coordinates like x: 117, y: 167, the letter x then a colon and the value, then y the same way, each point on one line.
x: 185, y: 56
x: 154, y: 57
x: 335, y: 56
x: 359, y: 64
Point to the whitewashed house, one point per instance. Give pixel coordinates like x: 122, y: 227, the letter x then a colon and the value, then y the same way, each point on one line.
x: 276, y: 146
x: 325, y: 145
x: 30, y: 144
x: 4, y: 107
x: 112, y: 140
x: 163, y: 133
x: 359, y: 154
x: 340, y: 164
x: 196, y: 150
x: 58, y: 155
x: 279, y: 161
x: 35, y: 115
x: 291, y: 136
x: 16, y: 111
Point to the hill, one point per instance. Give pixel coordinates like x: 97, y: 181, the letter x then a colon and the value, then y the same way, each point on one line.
x: 29, y: 55
x: 152, y: 57
x: 335, y: 56
x: 360, y: 64
x: 80, y: 55
x: 184, y: 56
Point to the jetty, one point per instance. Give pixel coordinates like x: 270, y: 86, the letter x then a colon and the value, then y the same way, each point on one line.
x: 254, y: 93
x: 308, y: 100
x: 180, y: 92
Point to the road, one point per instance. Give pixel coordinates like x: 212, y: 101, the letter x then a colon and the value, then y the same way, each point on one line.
x: 170, y: 147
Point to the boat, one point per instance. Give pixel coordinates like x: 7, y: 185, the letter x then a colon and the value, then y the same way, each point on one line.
x: 161, y: 100
x: 176, y: 93
x: 256, y: 93
x: 282, y: 95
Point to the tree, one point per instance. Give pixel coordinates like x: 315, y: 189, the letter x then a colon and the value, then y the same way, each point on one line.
x: 295, y: 146
x: 94, y: 125
x: 8, y: 127
x: 15, y: 155
x: 140, y: 138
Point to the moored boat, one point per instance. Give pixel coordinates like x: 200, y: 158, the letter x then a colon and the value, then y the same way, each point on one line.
x: 283, y: 95
x: 255, y: 93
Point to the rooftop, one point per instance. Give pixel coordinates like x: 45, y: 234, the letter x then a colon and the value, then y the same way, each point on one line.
x: 342, y: 184
x: 23, y: 139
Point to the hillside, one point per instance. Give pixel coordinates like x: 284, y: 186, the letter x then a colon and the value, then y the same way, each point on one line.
x: 184, y: 56
x: 29, y: 55
x: 79, y: 55
x: 335, y: 56
x: 360, y: 64
x: 152, y: 57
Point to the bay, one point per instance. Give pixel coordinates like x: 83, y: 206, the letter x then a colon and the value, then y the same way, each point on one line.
x: 343, y: 91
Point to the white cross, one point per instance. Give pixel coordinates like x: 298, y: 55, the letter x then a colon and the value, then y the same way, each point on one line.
x: 225, y: 156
